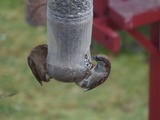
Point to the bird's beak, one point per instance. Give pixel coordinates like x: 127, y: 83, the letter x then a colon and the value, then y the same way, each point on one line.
x: 94, y: 58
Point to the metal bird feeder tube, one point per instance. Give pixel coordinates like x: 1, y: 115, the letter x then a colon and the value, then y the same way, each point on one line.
x: 69, y: 25
x: 36, y: 12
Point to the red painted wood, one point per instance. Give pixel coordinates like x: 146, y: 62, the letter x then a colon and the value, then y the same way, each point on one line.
x: 151, y: 48
x: 130, y: 14
x: 100, y: 7
x: 106, y: 35
x: 103, y: 33
x: 154, y: 97
x: 134, y: 13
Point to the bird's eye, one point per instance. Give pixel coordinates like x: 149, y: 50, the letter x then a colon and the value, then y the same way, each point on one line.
x: 100, y: 58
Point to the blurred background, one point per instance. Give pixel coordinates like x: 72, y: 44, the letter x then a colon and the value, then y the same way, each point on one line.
x: 123, y: 97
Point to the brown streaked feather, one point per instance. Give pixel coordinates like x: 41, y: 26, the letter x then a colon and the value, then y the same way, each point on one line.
x: 36, y: 62
x: 34, y: 70
x: 107, y: 66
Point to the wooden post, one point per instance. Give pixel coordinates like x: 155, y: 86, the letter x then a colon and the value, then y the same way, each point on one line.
x: 36, y: 12
x: 154, y: 93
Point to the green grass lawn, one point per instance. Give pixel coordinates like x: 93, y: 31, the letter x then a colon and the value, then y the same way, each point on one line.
x: 123, y: 97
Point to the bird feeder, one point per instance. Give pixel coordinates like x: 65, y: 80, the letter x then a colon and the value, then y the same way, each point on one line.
x: 69, y: 37
x: 68, y: 59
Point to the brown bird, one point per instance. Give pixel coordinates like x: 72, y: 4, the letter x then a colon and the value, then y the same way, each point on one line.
x: 37, y: 63
x: 98, y: 74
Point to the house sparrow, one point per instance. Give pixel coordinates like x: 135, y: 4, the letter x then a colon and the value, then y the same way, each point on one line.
x: 37, y: 63
x: 98, y: 74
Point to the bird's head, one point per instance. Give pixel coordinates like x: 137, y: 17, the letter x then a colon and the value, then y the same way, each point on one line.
x: 100, y: 57
x: 102, y: 60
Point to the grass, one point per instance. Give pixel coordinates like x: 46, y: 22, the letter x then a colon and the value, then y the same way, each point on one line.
x: 122, y: 97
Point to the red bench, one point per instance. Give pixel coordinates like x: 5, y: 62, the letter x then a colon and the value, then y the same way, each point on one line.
x: 112, y: 15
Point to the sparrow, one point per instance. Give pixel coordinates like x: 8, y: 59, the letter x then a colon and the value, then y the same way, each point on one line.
x: 37, y: 63
x: 98, y: 74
